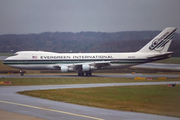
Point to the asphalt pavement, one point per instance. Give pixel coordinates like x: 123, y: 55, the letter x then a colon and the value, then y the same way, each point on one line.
x: 52, y: 110
x: 159, y: 66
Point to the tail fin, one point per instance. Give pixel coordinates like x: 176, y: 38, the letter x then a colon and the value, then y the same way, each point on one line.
x: 161, y: 42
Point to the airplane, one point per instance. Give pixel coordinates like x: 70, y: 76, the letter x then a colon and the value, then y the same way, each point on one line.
x: 85, y: 63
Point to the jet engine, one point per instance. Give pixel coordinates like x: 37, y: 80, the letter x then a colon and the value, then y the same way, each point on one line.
x: 66, y: 69
x: 88, y: 67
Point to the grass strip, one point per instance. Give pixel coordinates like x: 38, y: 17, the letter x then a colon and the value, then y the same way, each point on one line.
x: 157, y: 99
x: 80, y: 80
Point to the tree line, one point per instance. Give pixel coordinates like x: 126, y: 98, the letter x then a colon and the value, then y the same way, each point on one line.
x: 85, y: 42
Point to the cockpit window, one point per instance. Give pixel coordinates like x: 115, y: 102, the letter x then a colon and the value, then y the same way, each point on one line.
x: 15, y: 54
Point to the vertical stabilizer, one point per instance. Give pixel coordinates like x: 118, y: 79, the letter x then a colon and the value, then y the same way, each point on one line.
x: 161, y: 42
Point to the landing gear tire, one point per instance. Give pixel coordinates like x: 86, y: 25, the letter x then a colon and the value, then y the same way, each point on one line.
x: 22, y: 74
x: 81, y: 74
x: 89, y: 73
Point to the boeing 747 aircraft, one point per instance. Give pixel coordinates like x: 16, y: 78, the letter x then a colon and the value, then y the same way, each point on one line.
x: 85, y: 63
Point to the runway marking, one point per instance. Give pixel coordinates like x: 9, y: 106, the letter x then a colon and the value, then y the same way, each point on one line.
x: 51, y: 110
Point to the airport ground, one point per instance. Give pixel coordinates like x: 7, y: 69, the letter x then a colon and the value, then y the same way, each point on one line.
x: 103, y: 78
x: 48, y: 109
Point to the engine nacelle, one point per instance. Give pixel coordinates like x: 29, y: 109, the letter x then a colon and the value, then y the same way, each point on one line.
x: 66, y: 69
x: 85, y: 67
x: 88, y: 67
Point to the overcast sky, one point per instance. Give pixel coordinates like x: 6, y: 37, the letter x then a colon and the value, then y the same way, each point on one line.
x: 37, y: 16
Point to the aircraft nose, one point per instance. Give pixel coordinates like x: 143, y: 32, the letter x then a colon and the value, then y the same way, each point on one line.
x: 5, y: 60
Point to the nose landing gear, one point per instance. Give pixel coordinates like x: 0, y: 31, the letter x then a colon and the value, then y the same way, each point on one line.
x: 21, y: 72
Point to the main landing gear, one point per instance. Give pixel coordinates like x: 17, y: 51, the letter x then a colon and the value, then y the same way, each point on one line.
x: 88, y: 73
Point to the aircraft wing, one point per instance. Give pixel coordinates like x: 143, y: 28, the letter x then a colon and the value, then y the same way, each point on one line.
x: 100, y: 64
x: 94, y: 65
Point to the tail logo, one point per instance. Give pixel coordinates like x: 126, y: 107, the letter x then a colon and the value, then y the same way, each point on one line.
x: 159, y: 43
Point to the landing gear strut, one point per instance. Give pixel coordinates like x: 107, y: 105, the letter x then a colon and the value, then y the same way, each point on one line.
x: 21, y: 72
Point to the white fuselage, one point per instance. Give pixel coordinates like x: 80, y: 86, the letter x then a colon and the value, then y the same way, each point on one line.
x: 39, y: 60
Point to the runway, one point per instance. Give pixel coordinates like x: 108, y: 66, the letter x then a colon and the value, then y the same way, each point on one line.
x: 52, y: 110
x: 3, y: 57
x: 159, y: 66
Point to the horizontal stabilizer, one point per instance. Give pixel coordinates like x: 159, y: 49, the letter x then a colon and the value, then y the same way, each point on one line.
x: 160, y: 57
